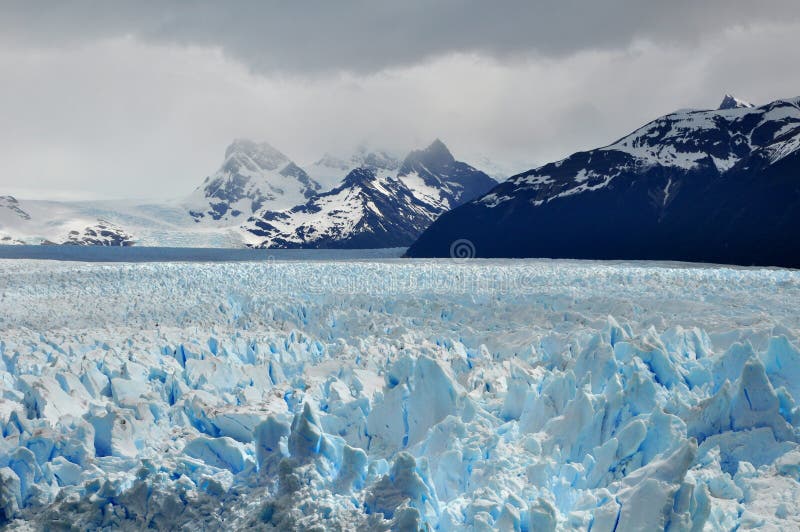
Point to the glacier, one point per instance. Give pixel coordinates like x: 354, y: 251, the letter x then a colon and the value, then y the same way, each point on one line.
x: 391, y: 394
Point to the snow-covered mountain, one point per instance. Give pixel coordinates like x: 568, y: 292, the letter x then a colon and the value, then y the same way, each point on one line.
x: 253, y: 176
x: 18, y: 226
x: 434, y: 176
x: 732, y: 102
x: 259, y: 197
x: 51, y: 222
x: 103, y: 233
x: 374, y: 206
x: 716, y: 186
x: 110, y: 222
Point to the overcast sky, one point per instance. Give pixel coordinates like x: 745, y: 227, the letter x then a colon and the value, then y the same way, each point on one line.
x: 139, y: 99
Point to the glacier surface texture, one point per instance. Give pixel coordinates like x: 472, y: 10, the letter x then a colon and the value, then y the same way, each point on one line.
x: 399, y: 394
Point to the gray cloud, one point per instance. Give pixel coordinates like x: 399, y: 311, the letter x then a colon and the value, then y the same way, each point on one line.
x: 116, y: 99
x: 368, y: 36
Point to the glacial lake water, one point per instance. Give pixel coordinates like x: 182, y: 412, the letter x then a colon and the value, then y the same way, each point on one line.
x: 167, y: 254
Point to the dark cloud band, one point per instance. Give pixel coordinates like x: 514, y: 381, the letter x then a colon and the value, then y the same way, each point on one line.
x: 367, y: 36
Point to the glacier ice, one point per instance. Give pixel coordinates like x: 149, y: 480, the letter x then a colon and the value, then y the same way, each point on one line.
x: 399, y: 395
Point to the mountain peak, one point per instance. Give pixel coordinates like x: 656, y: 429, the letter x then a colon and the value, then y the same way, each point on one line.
x: 253, y: 175
x: 358, y: 176
x: 732, y: 102
x: 262, y: 153
x: 436, y: 155
x: 438, y: 148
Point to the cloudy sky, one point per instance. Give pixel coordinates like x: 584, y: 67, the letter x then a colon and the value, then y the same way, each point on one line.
x: 139, y: 99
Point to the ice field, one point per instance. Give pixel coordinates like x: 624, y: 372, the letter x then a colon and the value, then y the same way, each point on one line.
x: 399, y: 394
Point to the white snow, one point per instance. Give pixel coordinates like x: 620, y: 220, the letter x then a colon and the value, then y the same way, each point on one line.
x: 533, y: 182
x: 329, y: 171
x: 678, y: 140
x: 399, y: 394
x: 427, y: 194
x: 254, y: 175
x: 683, y: 124
x: 338, y: 214
x: 493, y: 200
x: 583, y: 175
x: 662, y: 154
x: 782, y: 149
x: 278, y: 191
x: 667, y: 191
x: 583, y: 187
x: 166, y: 224
x: 723, y: 165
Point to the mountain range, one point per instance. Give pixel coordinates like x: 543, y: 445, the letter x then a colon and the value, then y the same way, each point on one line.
x: 718, y: 185
x: 378, y: 204
x: 261, y: 198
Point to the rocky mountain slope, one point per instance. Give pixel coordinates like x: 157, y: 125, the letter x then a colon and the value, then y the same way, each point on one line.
x: 374, y: 206
x: 711, y: 186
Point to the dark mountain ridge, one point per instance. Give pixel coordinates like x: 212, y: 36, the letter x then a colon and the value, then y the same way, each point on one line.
x: 718, y: 186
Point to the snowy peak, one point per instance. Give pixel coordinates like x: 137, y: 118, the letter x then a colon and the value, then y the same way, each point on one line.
x: 256, y: 154
x: 253, y: 175
x: 437, y: 147
x: 359, y: 177
x: 434, y: 157
x: 720, y: 138
x: 435, y: 177
x: 714, y: 142
x: 732, y: 102
x: 434, y: 174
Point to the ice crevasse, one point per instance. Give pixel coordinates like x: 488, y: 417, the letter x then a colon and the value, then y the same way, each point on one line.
x: 603, y: 424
